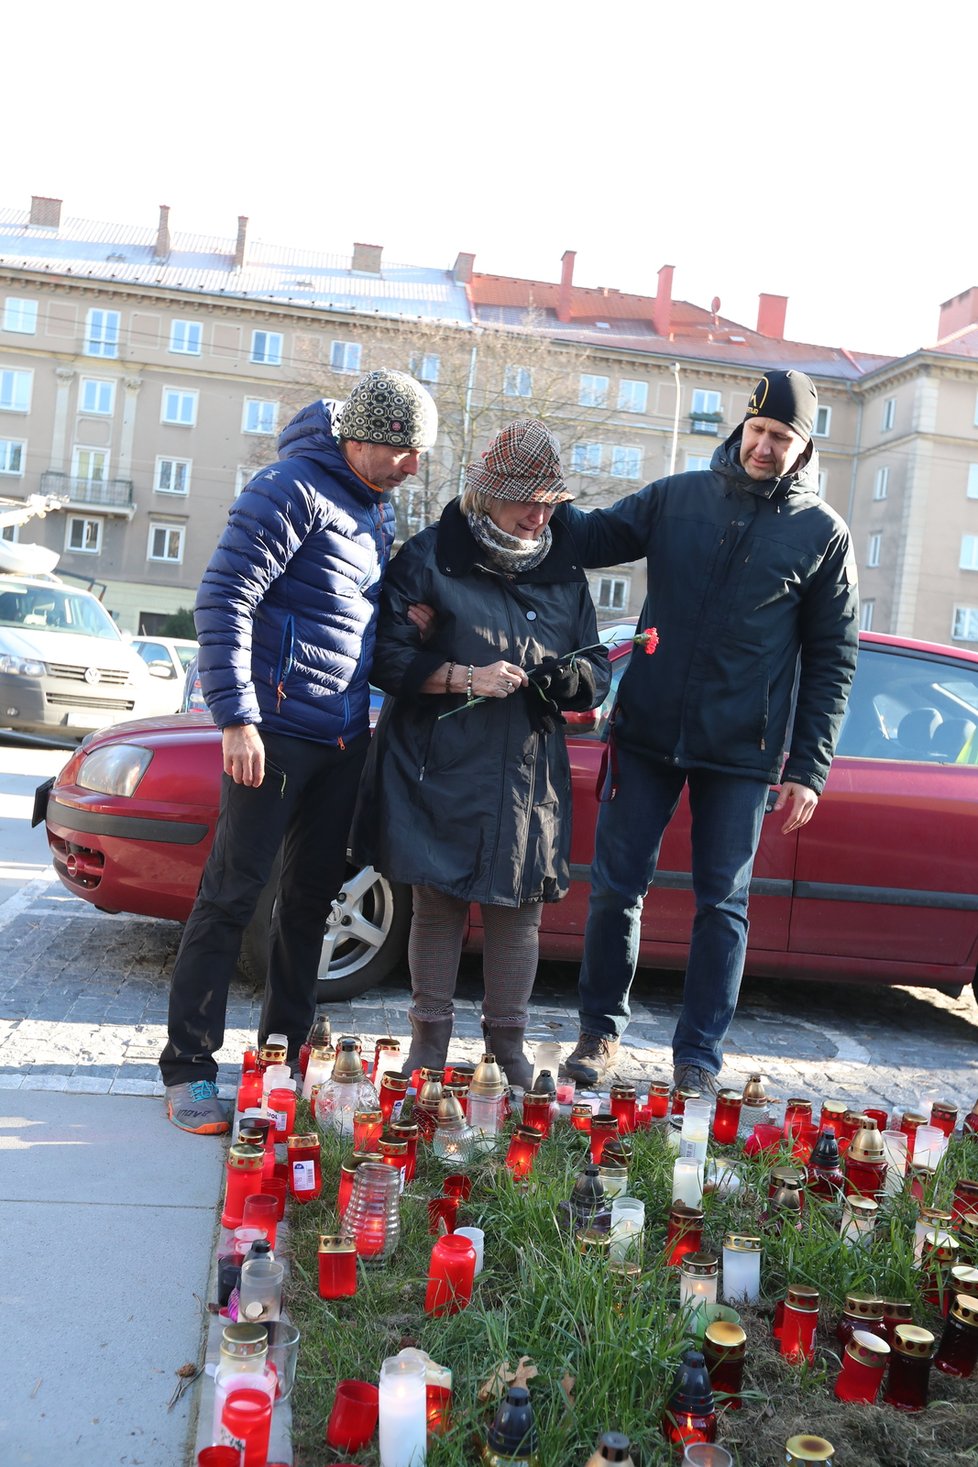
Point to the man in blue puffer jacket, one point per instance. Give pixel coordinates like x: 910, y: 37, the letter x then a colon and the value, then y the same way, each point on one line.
x: 286, y: 616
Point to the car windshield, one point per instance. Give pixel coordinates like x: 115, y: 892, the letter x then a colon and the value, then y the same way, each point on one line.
x: 54, y: 608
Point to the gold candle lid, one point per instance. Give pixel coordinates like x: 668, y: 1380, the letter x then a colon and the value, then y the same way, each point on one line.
x: 457, y: 1089
x: 321, y: 1053
x: 487, y: 1079
x: 868, y: 1349
x: 901, y: 1309
x: 391, y: 1146
x: 725, y: 1335
x: 910, y: 1339
x: 391, y: 1045
x: 368, y: 1117
x: 624, y: 1272
x: 911, y: 1119
x: 864, y: 1306
x: 867, y: 1144
x: 429, y: 1094
x: 939, y: 1249
x: 834, y: 1109
x: 792, y: 1176
x: 395, y: 1080
x: 273, y: 1054
x: 933, y: 1215
x: 659, y: 1087
x: 754, y: 1092
x: 700, y: 1265
x: 593, y: 1241
x: 965, y: 1309
x: 604, y: 1123
x: 245, y: 1157
x: 862, y: 1207
x: 334, y: 1243
x: 347, y: 1065
x: 944, y: 1108
x: 620, y: 1090
x: 404, y: 1130
x: 742, y: 1243
x: 681, y: 1212
x: 803, y: 1296
x: 527, y: 1134
x: 295, y: 1142
x: 968, y: 1226
x: 244, y: 1339
x: 807, y: 1448
x: 964, y: 1278
x: 798, y: 1103
x: 730, y: 1097
x: 450, y: 1112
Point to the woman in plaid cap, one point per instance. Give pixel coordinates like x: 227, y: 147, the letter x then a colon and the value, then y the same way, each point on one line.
x: 466, y: 796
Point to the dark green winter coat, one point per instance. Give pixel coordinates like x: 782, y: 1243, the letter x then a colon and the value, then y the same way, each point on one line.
x: 477, y: 805
x: 752, y: 588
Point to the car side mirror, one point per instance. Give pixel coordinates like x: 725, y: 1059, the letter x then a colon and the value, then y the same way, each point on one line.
x: 585, y: 722
x: 161, y: 669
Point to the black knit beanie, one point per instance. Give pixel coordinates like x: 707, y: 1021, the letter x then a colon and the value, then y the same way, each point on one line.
x: 788, y: 397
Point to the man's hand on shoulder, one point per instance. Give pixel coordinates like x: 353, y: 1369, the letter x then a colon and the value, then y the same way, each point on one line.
x: 244, y: 754
x: 799, y: 801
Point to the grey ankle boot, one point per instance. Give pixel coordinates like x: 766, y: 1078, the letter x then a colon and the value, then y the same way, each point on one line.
x: 506, y: 1043
x: 430, y: 1039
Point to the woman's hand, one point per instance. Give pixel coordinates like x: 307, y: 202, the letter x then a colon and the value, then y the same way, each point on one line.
x: 497, y: 680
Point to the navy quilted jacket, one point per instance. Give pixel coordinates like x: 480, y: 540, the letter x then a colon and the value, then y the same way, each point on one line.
x: 287, y: 609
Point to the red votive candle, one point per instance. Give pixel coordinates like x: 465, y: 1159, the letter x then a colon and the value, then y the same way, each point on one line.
x: 863, y: 1362
x: 410, y: 1133
x: 910, y: 1362
x: 726, y: 1117
x: 246, y: 1422
x: 305, y: 1167
x: 958, y: 1351
x: 249, y: 1090
x: 337, y: 1267
x: 368, y: 1127
x: 523, y: 1147
x: 281, y: 1107
x: 393, y: 1088
x: 602, y: 1129
x: 580, y: 1117
x: 243, y: 1171
x: 451, y: 1274
x: 261, y: 1211
x: 684, y: 1232
x: 623, y: 1105
x: 658, y: 1101
x: 536, y: 1113
x: 944, y: 1116
x: 965, y: 1198
x: 795, y: 1322
x: 797, y: 1113
x: 394, y: 1153
x: 457, y: 1184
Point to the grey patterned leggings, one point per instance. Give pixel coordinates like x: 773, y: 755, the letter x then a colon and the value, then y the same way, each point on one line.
x: 509, y: 958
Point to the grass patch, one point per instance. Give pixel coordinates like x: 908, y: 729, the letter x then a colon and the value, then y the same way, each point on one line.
x: 618, y: 1345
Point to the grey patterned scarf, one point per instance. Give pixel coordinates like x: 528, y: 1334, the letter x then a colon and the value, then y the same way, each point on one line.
x: 508, y: 552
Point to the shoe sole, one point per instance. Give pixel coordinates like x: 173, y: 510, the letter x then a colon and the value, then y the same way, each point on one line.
x: 210, y: 1128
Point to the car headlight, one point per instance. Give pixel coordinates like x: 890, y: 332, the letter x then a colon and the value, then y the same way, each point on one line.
x: 25, y: 666
x: 115, y: 769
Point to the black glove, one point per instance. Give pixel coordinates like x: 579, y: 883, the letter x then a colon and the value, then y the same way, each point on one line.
x: 543, y: 711
x: 560, y: 681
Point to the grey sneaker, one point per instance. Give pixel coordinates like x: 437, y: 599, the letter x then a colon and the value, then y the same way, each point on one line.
x: 694, y: 1077
x: 195, y: 1107
x: 591, y: 1058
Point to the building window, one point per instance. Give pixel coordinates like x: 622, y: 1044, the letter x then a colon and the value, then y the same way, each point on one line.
x: 425, y: 366
x: 11, y: 456
x: 20, y: 315
x: 697, y: 462
x: 881, y: 483
x: 166, y: 543
x: 973, y: 481
x: 626, y: 463
x: 823, y: 422
x: 633, y: 397
x: 101, y: 334
x: 259, y: 416
x: 517, y: 382
x: 969, y: 552
x: 706, y: 404
x: 15, y: 391
x: 179, y: 407
x: 612, y: 593
x: 344, y: 356
x: 586, y: 458
x: 97, y: 397
x: 185, y: 337
x: 83, y: 535
x: 266, y: 348
x: 594, y: 391
x: 242, y: 476
x: 866, y: 609
x: 173, y: 475
x: 964, y: 628
x: 873, y: 555
x: 889, y: 414
x: 90, y: 465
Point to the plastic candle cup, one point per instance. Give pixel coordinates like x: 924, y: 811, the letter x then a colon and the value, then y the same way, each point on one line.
x: 353, y: 1418
x: 895, y: 1150
x: 261, y: 1211
x: 403, y: 1412
x: 627, y: 1224
x: 687, y: 1182
x: 451, y: 1273
x: 603, y: 1127
x: 726, y: 1117
x: 930, y: 1144
x: 910, y: 1362
x: 368, y: 1126
x: 458, y: 1185
x: 477, y: 1238
x: 337, y: 1267
x: 863, y: 1362
x: 741, y: 1268
x: 581, y: 1116
x: 243, y: 1172
x: 566, y: 1090
x: 523, y: 1147
x: 246, y: 1422
x: 536, y: 1113
x: 442, y: 1213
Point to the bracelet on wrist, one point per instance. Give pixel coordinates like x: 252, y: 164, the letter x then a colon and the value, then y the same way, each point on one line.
x: 448, y: 680
x: 469, y: 697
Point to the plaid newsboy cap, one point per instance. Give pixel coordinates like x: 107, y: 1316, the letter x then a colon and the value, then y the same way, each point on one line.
x: 522, y: 463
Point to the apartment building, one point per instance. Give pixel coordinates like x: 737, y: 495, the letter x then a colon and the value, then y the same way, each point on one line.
x: 144, y: 374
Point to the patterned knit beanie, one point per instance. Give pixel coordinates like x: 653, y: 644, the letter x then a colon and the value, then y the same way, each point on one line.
x: 389, y: 407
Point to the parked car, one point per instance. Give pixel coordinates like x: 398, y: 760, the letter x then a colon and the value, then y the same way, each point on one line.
x: 878, y: 888
x: 65, y: 667
x: 168, y: 659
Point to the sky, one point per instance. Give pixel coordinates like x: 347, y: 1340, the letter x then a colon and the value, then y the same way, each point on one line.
x: 823, y: 152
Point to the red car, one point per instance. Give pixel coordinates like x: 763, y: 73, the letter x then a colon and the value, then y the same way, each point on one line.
x: 880, y: 886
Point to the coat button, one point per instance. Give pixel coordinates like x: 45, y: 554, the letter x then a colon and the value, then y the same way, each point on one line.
x: 531, y: 616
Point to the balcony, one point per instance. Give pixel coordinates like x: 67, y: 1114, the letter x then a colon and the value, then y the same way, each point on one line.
x: 706, y: 423
x: 107, y: 496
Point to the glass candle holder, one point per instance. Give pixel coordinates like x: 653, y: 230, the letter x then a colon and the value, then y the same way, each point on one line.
x: 684, y: 1232
x: 305, y: 1167
x: 613, y: 1172
x: 627, y: 1226
x: 864, y: 1360
x: 394, y: 1153
x: 566, y: 1090
x: 391, y: 1092
x: 895, y: 1151
x: 658, y: 1099
x: 603, y: 1128
x: 410, y: 1134
x: 451, y: 1273
x: 337, y: 1267
x: 805, y: 1449
x: 944, y: 1116
x: 929, y: 1219
x: 403, y: 1422
x: 725, y: 1350
x: 454, y: 1137
x: 698, y: 1278
x: 524, y: 1144
x: 536, y: 1113
x: 353, y: 1416
x: 705, y: 1454
x: 246, y: 1422
x: 249, y: 1090
x: 858, y: 1221
x: 795, y: 1323
x: 580, y: 1117
x: 896, y: 1311
x: 368, y: 1127
x: 457, y: 1184
x: 863, y: 1312
x: 587, y: 1204
x: 726, y: 1117
x: 765, y: 1139
x: 957, y: 1352
x: 442, y: 1214
x: 797, y: 1113
x: 831, y: 1114
x: 911, y: 1355
x: 260, y: 1290
x: 261, y: 1211
x: 373, y: 1218
x: 623, y: 1104
x: 344, y: 1092
x: 243, y: 1172
x: 965, y: 1198
x: 741, y: 1268
x: 281, y: 1108
x: 687, y: 1182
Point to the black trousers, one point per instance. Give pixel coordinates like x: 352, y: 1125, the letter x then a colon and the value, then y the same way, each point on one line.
x: 305, y: 805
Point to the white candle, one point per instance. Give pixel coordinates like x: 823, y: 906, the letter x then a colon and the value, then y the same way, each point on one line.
x: 627, y: 1224
x: 895, y: 1146
x: 477, y: 1238
x: 929, y: 1145
x: 403, y: 1427
x: 741, y: 1273
x: 687, y: 1182
x: 694, y: 1136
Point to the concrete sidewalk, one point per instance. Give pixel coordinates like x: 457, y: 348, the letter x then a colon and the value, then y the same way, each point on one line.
x: 109, y: 1222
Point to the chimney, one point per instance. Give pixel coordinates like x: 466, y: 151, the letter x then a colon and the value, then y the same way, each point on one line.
x: 771, y: 311
x: 958, y: 313
x: 662, y: 309
x: 566, y: 285
x: 239, y: 244
x: 162, y: 251
x: 462, y: 269
x: 45, y: 213
x: 367, y: 258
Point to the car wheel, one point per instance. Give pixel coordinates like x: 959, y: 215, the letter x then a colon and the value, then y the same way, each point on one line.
x: 366, y: 935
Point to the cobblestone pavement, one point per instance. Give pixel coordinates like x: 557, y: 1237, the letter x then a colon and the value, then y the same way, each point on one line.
x: 83, y: 1008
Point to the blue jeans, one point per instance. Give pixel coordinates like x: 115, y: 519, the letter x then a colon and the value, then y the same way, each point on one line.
x: 727, y: 814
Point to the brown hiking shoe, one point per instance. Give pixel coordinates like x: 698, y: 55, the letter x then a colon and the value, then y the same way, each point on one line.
x: 591, y: 1058
x: 694, y: 1077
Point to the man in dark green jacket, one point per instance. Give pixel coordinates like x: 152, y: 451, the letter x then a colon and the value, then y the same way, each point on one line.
x: 752, y: 588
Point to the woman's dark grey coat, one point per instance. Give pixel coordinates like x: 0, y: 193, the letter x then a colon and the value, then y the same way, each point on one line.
x: 477, y: 805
